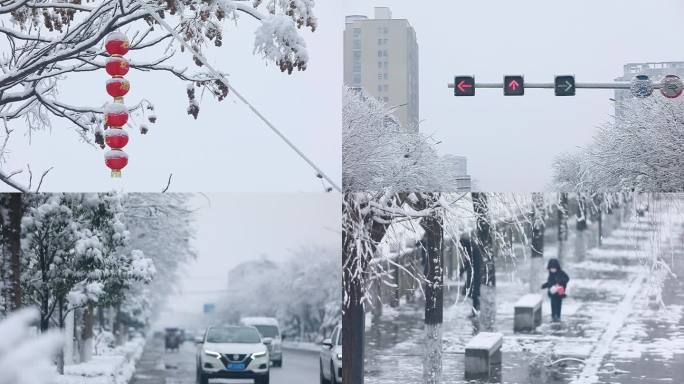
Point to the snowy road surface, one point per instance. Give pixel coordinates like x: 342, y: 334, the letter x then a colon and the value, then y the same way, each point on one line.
x: 159, y: 367
x: 609, y: 321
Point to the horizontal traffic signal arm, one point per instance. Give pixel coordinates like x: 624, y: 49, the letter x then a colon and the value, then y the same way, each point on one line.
x: 551, y: 85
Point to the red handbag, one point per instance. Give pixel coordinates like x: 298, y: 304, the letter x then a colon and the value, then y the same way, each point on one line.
x: 560, y: 289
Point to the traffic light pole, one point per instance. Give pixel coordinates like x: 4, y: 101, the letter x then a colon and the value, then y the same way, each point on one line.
x: 614, y: 85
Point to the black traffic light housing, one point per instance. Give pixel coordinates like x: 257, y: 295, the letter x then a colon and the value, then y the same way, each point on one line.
x: 464, y: 86
x: 514, y: 85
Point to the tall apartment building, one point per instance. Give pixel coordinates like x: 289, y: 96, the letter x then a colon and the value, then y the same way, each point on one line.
x: 381, y: 56
x: 655, y: 71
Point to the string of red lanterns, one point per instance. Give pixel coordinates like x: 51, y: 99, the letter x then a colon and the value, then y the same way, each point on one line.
x: 116, y: 113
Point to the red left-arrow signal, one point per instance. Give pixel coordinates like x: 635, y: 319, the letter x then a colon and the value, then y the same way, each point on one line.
x: 514, y: 86
x: 464, y: 86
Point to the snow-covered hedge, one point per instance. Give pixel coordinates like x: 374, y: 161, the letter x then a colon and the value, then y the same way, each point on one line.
x: 115, y: 367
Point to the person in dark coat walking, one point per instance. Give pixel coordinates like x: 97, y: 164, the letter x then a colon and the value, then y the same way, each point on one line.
x: 556, y: 285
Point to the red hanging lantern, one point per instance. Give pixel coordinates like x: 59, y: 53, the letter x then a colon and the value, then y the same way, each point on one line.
x: 116, y: 43
x: 116, y: 114
x: 116, y: 138
x: 117, y: 66
x: 118, y: 87
x: 116, y: 160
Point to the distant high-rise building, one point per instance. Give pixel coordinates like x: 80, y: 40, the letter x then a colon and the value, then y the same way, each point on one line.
x: 381, y: 56
x: 655, y: 71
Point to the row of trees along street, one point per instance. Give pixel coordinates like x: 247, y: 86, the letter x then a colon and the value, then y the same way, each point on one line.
x: 640, y: 149
x: 95, y: 265
x: 400, y: 243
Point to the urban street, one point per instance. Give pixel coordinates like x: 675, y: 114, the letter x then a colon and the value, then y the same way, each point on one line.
x: 622, y: 317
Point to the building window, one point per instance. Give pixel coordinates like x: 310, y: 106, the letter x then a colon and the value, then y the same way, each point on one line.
x: 379, y: 88
x: 384, y: 76
x: 356, y: 32
x: 379, y: 53
x: 385, y: 99
x: 379, y: 64
x: 356, y: 79
x: 385, y: 87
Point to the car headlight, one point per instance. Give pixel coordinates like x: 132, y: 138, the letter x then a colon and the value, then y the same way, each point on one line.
x: 339, y: 356
x: 258, y: 354
x: 212, y: 353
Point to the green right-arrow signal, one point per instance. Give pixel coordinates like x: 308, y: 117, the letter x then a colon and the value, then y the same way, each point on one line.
x: 565, y: 85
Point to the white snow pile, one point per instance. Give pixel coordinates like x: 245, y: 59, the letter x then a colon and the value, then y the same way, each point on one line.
x: 115, y: 367
x: 25, y: 358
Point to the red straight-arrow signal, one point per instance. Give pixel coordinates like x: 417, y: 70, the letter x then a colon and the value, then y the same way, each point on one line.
x: 464, y: 86
x: 514, y: 85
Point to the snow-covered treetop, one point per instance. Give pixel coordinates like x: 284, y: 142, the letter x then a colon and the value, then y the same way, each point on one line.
x: 640, y: 150
x: 378, y: 153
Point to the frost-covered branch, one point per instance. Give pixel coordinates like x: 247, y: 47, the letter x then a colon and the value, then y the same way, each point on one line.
x: 641, y: 150
x: 48, y: 44
x: 377, y: 152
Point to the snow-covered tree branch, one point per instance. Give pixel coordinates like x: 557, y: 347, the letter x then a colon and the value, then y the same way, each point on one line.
x: 640, y: 150
x: 48, y: 43
x: 378, y: 153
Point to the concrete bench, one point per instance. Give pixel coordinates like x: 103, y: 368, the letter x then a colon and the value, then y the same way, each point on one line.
x: 528, y: 313
x: 481, y: 353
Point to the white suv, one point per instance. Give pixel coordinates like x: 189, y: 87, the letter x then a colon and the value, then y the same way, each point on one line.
x: 270, y: 331
x: 232, y: 352
x: 331, y: 358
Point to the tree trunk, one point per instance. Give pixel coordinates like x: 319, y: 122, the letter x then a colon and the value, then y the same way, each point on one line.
x: 12, y: 248
x: 69, y: 339
x: 538, y: 225
x: 562, y: 225
x: 60, y: 355
x: 600, y: 225
x: 396, y: 290
x: 537, y: 249
x: 487, y: 267
x: 434, y: 297
x: 87, y: 338
x: 44, y: 309
x: 353, y: 269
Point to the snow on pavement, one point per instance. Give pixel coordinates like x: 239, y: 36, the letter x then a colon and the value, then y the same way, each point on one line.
x: 603, y: 315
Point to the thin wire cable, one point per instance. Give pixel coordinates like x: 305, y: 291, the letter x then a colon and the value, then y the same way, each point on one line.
x: 155, y: 16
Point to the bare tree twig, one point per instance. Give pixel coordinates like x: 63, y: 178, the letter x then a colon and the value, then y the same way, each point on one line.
x: 40, y: 182
x: 168, y: 184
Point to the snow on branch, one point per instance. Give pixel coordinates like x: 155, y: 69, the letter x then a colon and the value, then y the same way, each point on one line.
x: 377, y: 152
x: 641, y: 150
x: 50, y: 42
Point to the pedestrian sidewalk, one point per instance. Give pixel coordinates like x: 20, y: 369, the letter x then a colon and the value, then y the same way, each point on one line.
x: 608, y: 291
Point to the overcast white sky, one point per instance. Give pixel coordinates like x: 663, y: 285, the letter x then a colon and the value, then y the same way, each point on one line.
x: 236, y: 227
x: 510, y: 142
x: 227, y: 148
